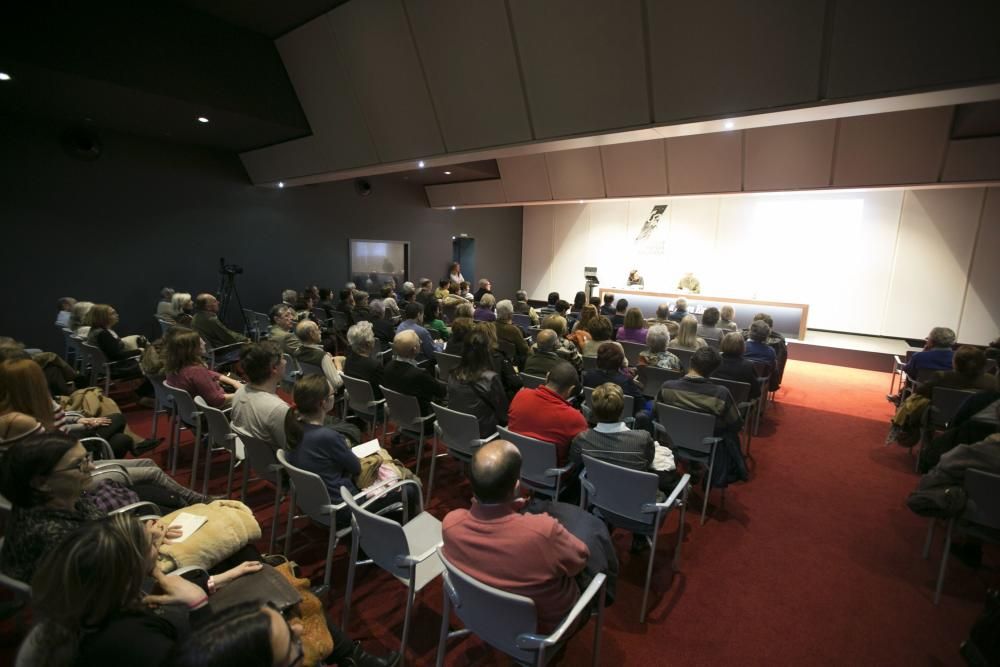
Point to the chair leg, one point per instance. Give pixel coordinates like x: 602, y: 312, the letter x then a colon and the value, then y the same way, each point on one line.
x: 331, y: 546
x: 430, y: 478
x: 277, y: 516
x: 349, y: 590
x: 443, y: 635
x: 246, y: 480
x: 596, y: 660
x: 930, y: 537
x: 197, y: 452
x: 420, y: 449
x: 708, y: 487
x: 156, y: 419
x: 208, y: 468
x: 288, y: 524
x: 232, y: 471
x: 175, y: 442
x: 944, y: 561
x: 680, y: 528
x: 410, y: 594
x: 649, y: 570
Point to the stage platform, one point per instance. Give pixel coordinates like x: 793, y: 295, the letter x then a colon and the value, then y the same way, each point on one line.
x: 873, y: 353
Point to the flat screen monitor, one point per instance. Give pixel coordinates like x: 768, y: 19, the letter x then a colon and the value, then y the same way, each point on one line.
x: 378, y: 261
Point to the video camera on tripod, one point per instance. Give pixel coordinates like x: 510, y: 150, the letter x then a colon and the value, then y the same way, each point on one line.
x: 227, y: 290
x: 229, y: 269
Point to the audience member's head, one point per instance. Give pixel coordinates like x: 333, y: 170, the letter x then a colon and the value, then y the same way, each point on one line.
x: 555, y: 323
x: 562, y: 307
x: 23, y: 388
x: 609, y: 299
x: 261, y: 361
x: 80, y: 314
x: 103, y: 316
x: 759, y: 331
x: 705, y: 361
x: 361, y: 338
x: 426, y: 285
x: 413, y: 311
x: 681, y: 305
x: 184, y: 348
x: 969, y: 361
x: 166, y: 293
x: 313, y: 397
x: 406, y: 344
x: 181, y: 302
x: 608, y: 400
x: 249, y: 634
x: 476, y: 358
x: 488, y: 329
x: 289, y: 296
x: 463, y: 287
x: 587, y: 314
x: 547, y: 340
x: 461, y: 327
x: 727, y: 313
x: 360, y: 297
x: 325, y: 293
x: 495, y: 472
x: 521, y: 296
x: 206, y: 302
x: 579, y: 301
x: 308, y: 332
x: 595, y: 301
x: 376, y: 311
x: 941, y: 337
x: 465, y: 310
x: 66, y: 303
x: 452, y: 288
x: 347, y: 296
x: 387, y: 291
x: 562, y: 379
x: 663, y: 311
x: 732, y: 344
x: 621, y: 306
x: 432, y: 310
x: 673, y: 327
x: 634, y: 319
x: 710, y: 317
x: 282, y: 316
x: 765, y: 317
x: 485, y: 284
x: 443, y: 284
x: 610, y: 357
x: 658, y: 338
x: 687, y: 335
x: 487, y: 301
x: 600, y: 328
x: 42, y: 467
x: 505, y: 310
x: 553, y: 298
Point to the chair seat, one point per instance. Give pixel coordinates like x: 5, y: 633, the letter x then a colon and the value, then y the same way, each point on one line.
x: 423, y: 533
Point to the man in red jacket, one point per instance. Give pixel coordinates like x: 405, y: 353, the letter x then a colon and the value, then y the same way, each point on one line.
x: 544, y: 413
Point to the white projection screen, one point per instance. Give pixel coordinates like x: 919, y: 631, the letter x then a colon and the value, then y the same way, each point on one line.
x: 379, y: 260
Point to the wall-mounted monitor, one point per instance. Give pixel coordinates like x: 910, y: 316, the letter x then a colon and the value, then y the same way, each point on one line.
x: 378, y: 261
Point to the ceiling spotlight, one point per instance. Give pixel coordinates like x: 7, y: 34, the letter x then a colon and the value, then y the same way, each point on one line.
x: 421, y: 164
x: 447, y: 173
x: 281, y: 184
x: 4, y: 76
x: 579, y: 201
x: 729, y: 125
x: 202, y: 119
x: 453, y: 207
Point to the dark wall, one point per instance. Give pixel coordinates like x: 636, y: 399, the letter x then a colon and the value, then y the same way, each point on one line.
x: 147, y: 214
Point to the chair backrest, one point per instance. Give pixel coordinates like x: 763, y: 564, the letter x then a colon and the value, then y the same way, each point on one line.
x: 521, y: 320
x: 632, y: 351
x: 446, y: 363
x: 311, y: 494
x: 683, y: 355
x: 340, y: 321
x: 404, y: 410
x: 260, y: 456
x: 360, y: 395
x: 945, y: 403
x: 382, y: 539
x: 627, y: 410
x: 739, y: 390
x: 687, y: 429
x: 983, y: 491
x: 495, y: 616
x: 459, y: 431
x: 713, y: 343
x: 652, y: 378
x: 619, y: 492
x: 292, y: 370
x: 531, y: 381
x: 219, y: 428
x: 186, y: 407
x: 537, y: 456
x: 310, y: 369
x: 589, y: 363
x: 163, y: 397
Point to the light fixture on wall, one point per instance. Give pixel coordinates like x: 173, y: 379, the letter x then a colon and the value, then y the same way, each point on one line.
x: 729, y: 125
x: 579, y: 201
x: 453, y: 207
x: 420, y: 164
x: 4, y: 76
x: 202, y: 119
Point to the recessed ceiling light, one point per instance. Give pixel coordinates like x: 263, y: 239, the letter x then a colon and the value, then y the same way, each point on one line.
x: 729, y: 125
x: 421, y: 164
x: 447, y: 173
x: 579, y: 201
x: 453, y: 208
x: 4, y: 76
x: 202, y: 119
x: 281, y: 184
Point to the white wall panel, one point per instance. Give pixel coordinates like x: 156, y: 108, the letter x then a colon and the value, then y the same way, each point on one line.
x: 570, y: 248
x: 933, y: 253
x: 536, y: 250
x: 611, y: 231
x: 981, y: 316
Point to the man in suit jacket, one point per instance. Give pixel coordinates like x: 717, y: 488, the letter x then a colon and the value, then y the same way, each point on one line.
x: 206, y: 323
x: 282, y: 319
x: 404, y: 376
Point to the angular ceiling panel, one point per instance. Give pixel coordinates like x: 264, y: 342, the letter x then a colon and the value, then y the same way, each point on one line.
x: 636, y: 169
x: 313, y: 63
x: 576, y: 174
x: 525, y: 178
x: 468, y: 55
x: 385, y: 72
x: 584, y: 64
x: 729, y: 56
x: 790, y: 157
x: 704, y: 163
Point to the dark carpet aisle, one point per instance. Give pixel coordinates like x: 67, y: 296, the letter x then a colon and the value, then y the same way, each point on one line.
x: 815, y: 561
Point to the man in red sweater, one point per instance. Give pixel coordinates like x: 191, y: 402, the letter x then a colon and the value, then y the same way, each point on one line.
x: 526, y: 554
x: 544, y: 413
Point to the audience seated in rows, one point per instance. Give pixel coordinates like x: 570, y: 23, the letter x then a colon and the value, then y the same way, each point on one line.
x: 426, y: 291
x: 611, y: 368
x: 687, y: 336
x: 709, y: 327
x: 485, y: 287
x: 509, y: 333
x: 968, y: 372
x: 257, y: 409
x: 656, y: 352
x: 433, y: 322
x: 503, y: 365
x: 402, y: 374
x: 346, y: 305
x: 382, y: 323
x: 362, y: 308
x: 544, y: 413
x: 521, y: 307
x: 525, y: 554
x: 185, y: 368
x: 579, y: 301
x: 618, y: 318
x: 587, y: 314
x: 734, y: 366
x: 475, y: 388
x: 442, y: 289
x: 757, y: 348
x: 484, y: 311
x: 936, y: 355
x: 680, y: 310
x: 633, y: 327
x: 543, y: 354
x: 550, y: 304
x: 64, y: 308
x: 413, y: 318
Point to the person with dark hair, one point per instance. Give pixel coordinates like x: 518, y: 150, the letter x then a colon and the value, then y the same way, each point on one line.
x: 633, y: 327
x: 346, y: 305
x: 734, y: 366
x: 461, y: 327
x: 757, y: 348
x: 610, y: 362
x: 485, y: 287
x: 544, y: 413
x: 206, y: 322
x: 709, y: 324
x: 618, y: 319
x: 185, y: 368
x: 475, y: 388
x: 601, y: 331
x: 362, y: 309
x: 413, y: 320
x: 521, y: 307
x: 257, y: 410
x: 695, y: 392
x: 282, y: 318
x: 326, y: 302
x: 404, y: 376
x: 442, y: 289
x: 608, y: 309
x: 550, y: 304
x: 579, y: 301
x: 969, y: 372
x: 525, y: 554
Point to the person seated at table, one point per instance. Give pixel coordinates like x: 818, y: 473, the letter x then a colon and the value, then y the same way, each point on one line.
x: 757, y: 348
x: 734, y: 367
x: 709, y: 324
x: 633, y: 328
x: 610, y: 368
x: 475, y: 388
x: 185, y: 368
x: 635, y: 279
x: 727, y: 317
x: 689, y: 283
x: 687, y: 336
x: 656, y: 352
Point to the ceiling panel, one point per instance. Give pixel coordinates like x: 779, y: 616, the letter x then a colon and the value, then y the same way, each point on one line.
x: 896, y: 45
x: 704, y: 163
x: 892, y: 148
x: 314, y: 66
x: 468, y: 55
x: 635, y: 169
x: 790, y: 157
x: 973, y: 160
x: 584, y: 64
x: 525, y: 178
x: 375, y: 44
x: 473, y: 192
x: 726, y: 56
x: 576, y: 174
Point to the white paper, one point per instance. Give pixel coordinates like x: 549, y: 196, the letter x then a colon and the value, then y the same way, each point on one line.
x: 366, y: 449
x: 189, y: 525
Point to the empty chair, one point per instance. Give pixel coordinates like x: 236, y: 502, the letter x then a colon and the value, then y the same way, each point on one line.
x: 446, y: 363
x: 460, y: 434
x: 163, y: 404
x: 221, y: 435
x: 521, y: 321
x: 409, y: 552
x: 509, y: 622
x: 361, y: 401
x: 683, y: 355
x: 713, y: 343
x: 980, y: 520
x: 540, y: 470
x: 693, y: 439
x: 405, y: 412
x: 189, y: 415
x: 261, y: 457
x: 531, y: 381
x: 652, y: 378
x: 632, y: 351
x: 627, y: 498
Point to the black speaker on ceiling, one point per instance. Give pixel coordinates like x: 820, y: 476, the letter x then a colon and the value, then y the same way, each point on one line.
x: 81, y: 142
x: 363, y: 187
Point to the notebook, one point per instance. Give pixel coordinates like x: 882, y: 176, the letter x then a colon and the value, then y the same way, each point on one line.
x: 366, y: 449
x: 189, y: 525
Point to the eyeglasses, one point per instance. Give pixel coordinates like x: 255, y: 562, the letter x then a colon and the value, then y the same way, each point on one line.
x: 80, y: 465
x: 296, y: 654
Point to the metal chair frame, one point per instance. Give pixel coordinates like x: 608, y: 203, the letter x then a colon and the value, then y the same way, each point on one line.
x: 538, y: 463
x: 690, y: 442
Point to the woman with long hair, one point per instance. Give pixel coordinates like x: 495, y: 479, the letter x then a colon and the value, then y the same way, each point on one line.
x: 185, y: 367
x: 634, y: 329
x: 687, y: 335
x: 475, y: 388
x: 579, y: 301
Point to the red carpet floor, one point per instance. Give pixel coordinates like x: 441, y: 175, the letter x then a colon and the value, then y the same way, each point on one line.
x: 815, y: 561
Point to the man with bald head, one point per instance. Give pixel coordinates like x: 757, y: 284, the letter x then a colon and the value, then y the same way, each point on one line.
x: 206, y: 322
x: 525, y: 554
x: 404, y: 376
x: 544, y: 354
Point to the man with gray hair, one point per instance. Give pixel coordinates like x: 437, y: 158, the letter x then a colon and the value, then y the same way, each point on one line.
x: 382, y: 326
x: 289, y: 297
x: 680, y: 310
x: 312, y: 352
x: 485, y: 287
x: 757, y: 348
x: 404, y: 376
x: 521, y: 307
x: 507, y: 331
x: 937, y: 353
